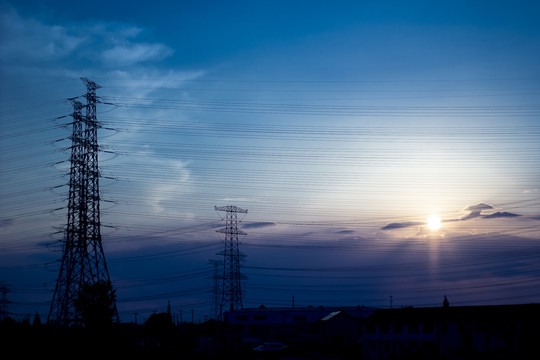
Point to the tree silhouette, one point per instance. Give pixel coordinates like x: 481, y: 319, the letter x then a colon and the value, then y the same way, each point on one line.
x: 95, y: 304
x: 446, y: 303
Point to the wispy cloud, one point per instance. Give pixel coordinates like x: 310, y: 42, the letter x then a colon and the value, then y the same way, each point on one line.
x: 164, y: 195
x: 27, y: 41
x: 130, y: 54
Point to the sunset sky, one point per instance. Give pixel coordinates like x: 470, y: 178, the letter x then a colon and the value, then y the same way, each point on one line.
x: 342, y: 126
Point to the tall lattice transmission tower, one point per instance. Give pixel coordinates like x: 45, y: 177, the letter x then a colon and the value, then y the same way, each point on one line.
x: 83, y: 262
x: 231, y: 296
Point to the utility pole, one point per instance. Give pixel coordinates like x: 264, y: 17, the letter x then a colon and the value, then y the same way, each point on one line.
x: 4, y: 302
x: 231, y: 296
x: 83, y: 262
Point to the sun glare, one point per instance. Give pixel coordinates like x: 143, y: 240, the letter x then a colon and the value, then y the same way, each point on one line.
x: 434, y: 222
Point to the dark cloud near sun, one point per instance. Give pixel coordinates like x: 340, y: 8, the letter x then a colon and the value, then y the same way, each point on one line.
x: 5, y: 223
x: 500, y: 214
x: 258, y: 225
x: 401, y: 225
x: 474, y: 211
x: 345, y: 232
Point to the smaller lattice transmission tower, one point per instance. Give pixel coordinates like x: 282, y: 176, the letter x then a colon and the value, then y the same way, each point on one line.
x: 216, y: 278
x: 231, y: 293
x: 83, y: 264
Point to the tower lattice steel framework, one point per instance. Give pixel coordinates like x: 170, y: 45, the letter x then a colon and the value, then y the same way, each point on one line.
x: 83, y: 261
x: 231, y: 296
x: 216, y: 290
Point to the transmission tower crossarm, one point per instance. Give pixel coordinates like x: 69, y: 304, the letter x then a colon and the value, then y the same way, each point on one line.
x: 230, y: 208
x: 228, y: 230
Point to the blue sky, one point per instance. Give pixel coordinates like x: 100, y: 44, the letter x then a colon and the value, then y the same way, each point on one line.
x: 341, y: 127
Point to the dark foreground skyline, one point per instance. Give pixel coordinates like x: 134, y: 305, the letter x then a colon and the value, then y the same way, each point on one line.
x: 443, y: 332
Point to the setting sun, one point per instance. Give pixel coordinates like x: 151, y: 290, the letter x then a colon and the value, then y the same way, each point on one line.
x: 434, y: 222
